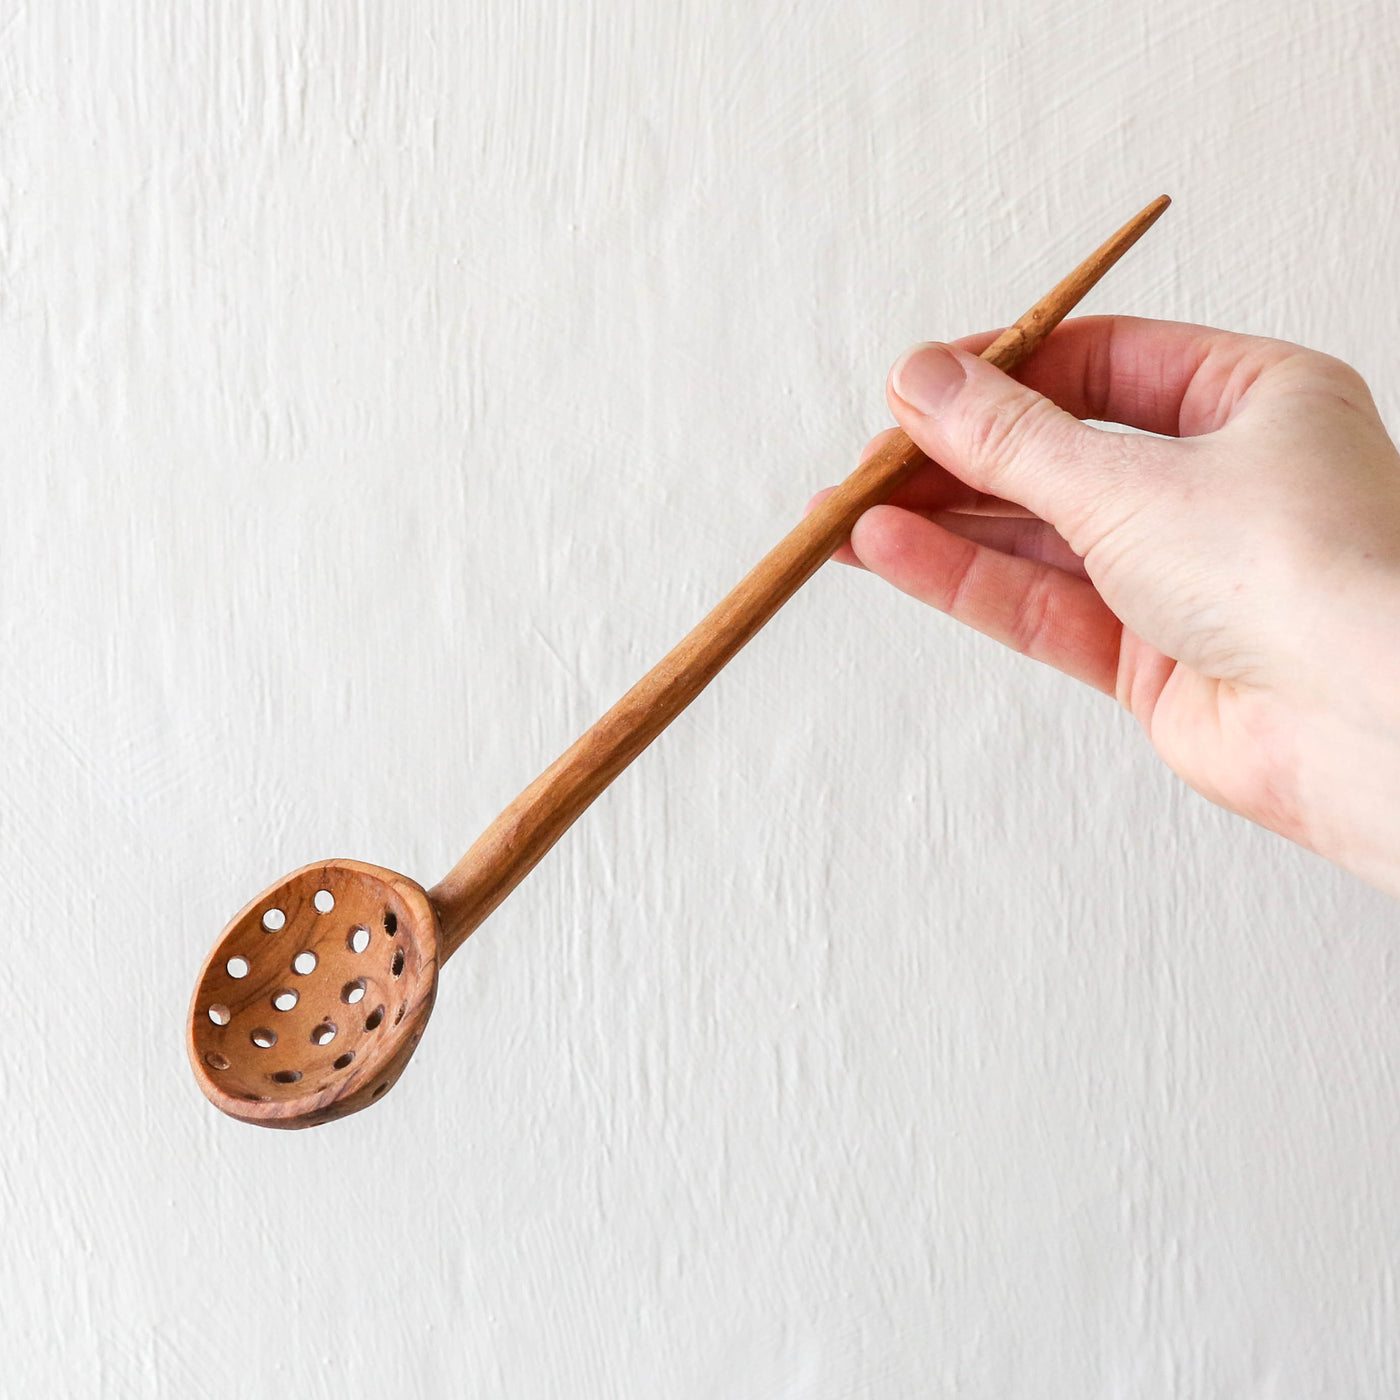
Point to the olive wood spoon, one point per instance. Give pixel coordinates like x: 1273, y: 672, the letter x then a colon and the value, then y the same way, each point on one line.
x: 315, y: 996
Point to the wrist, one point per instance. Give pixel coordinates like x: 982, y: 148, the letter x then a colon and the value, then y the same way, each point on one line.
x: 1350, y: 778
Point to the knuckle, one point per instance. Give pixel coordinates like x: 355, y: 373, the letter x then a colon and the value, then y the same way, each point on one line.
x: 1323, y: 376
x: 1332, y: 367
x: 995, y: 438
x: 1034, y: 618
x: 1346, y: 381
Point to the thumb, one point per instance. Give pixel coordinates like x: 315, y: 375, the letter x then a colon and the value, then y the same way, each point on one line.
x: 1001, y: 437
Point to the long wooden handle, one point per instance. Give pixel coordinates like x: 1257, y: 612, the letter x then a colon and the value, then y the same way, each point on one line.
x: 515, y: 842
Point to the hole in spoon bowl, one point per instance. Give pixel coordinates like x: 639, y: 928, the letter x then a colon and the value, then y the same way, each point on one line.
x: 236, y: 967
x: 324, y: 901
x: 380, y: 925
x: 220, y: 1014
x: 286, y: 1076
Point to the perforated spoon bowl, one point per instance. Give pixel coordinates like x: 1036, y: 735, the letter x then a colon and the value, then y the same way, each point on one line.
x: 316, y: 994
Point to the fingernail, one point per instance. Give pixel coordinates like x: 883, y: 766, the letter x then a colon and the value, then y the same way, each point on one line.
x: 928, y: 378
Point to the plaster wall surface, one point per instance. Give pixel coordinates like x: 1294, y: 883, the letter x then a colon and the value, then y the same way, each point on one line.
x: 384, y: 388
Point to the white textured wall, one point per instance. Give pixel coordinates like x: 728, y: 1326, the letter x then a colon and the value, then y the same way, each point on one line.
x: 384, y: 388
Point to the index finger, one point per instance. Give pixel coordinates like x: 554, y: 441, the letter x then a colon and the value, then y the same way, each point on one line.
x: 1167, y: 377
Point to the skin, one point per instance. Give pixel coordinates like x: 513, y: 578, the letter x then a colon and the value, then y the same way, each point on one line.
x: 1233, y: 580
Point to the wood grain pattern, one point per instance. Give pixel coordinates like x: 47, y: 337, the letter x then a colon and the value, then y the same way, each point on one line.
x: 315, y: 996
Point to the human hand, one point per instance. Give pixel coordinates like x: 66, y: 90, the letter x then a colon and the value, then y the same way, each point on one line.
x: 1235, y: 583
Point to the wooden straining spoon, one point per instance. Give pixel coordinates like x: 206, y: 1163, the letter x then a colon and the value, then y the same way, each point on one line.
x: 316, y: 994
